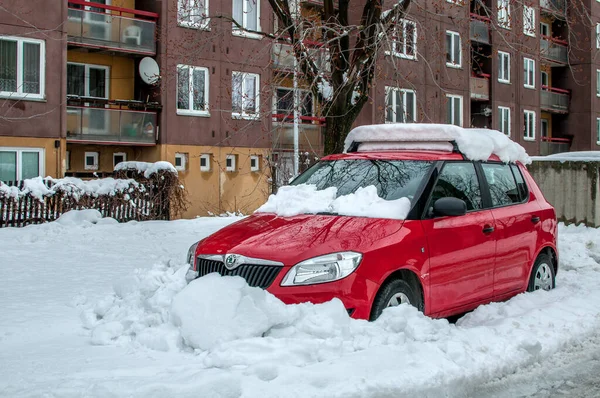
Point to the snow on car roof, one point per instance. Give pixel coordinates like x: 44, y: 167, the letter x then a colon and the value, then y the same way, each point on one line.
x: 475, y: 144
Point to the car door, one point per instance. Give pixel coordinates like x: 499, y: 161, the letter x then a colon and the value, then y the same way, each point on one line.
x: 517, y: 225
x: 462, y: 248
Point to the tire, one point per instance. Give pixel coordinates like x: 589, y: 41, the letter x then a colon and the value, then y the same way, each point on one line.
x: 400, y: 291
x: 542, y: 274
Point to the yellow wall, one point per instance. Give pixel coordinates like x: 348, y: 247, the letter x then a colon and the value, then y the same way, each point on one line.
x: 53, y: 157
x: 105, y: 156
x: 548, y: 117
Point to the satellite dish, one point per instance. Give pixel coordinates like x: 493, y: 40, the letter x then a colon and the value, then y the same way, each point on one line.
x: 149, y: 71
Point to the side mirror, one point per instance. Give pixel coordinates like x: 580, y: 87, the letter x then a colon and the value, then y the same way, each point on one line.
x: 449, y: 207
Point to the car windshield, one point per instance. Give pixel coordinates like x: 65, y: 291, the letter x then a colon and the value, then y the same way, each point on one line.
x: 394, y: 179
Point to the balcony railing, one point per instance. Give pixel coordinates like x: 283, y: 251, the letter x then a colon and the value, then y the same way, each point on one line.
x: 310, y: 136
x: 480, y: 88
x: 554, y: 6
x: 111, y: 28
x: 554, y: 100
x: 480, y: 29
x: 105, y: 125
x: 551, y: 145
x: 554, y: 49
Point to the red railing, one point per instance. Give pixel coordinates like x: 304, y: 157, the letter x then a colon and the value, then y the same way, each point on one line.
x: 289, y: 118
x: 481, y: 17
x: 556, y: 139
x: 556, y: 90
x: 555, y: 40
x: 138, y: 14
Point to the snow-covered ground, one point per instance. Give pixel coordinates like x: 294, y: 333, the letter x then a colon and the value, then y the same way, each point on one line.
x: 102, y: 310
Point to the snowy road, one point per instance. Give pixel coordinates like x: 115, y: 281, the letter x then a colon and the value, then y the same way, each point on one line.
x: 103, y: 311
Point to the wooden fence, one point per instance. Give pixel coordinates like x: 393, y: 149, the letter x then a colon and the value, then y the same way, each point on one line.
x: 140, y: 202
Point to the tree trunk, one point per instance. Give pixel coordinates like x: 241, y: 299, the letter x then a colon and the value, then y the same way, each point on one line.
x: 336, y: 130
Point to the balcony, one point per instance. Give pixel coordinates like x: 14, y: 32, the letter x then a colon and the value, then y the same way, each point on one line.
x: 309, y: 138
x: 111, y: 126
x: 282, y: 56
x: 553, y: 6
x: 554, y: 100
x: 551, y: 145
x: 480, y: 29
x: 480, y: 88
x: 554, y: 50
x: 111, y: 28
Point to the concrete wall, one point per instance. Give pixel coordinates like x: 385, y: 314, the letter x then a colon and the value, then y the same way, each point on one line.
x: 572, y: 188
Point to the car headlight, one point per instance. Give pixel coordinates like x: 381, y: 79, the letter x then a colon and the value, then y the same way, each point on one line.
x: 190, y: 254
x: 327, y: 268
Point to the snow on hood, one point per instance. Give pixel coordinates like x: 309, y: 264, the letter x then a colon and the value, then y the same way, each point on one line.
x: 306, y: 199
x: 475, y: 144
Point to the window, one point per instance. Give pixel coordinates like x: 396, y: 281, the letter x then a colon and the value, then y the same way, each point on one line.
x: 598, y: 35
x: 404, y: 39
x: 119, y: 157
x: 529, y: 77
x: 87, y: 80
x: 68, y: 160
x: 244, y: 96
x: 544, y: 29
x: 544, y: 127
x: 91, y: 161
x: 181, y: 161
x: 401, y: 105
x: 458, y: 180
x: 284, y: 104
x: 529, y: 21
x: 453, y: 50
x: 230, y: 163
x: 21, y: 163
x: 22, y: 67
x: 254, y: 163
x: 193, y: 13
x: 503, y: 67
x: 598, y: 131
x: 502, y: 184
x: 246, y: 13
x: 598, y: 82
x: 544, y: 80
x: 454, y: 109
x: 504, y: 120
x: 529, y: 127
x: 504, y: 13
x: 192, y: 90
x: 205, y: 162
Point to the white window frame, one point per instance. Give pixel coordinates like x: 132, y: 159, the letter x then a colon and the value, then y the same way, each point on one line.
x: 501, y: 55
x: 598, y: 35
x: 404, y: 92
x: 19, y: 94
x: 244, y: 114
x: 544, y: 29
x: 256, y: 159
x: 182, y: 157
x: 598, y: 131
x: 19, y: 152
x: 86, y: 77
x: 399, y: 48
x: 241, y: 32
x: 529, y: 24
x: 454, y: 36
x: 460, y: 2
x: 529, y: 125
x: 504, y: 116
x: 597, y: 82
x: 206, y: 157
x: 232, y: 167
x: 115, y: 154
x: 201, y: 21
x: 529, y: 72
x: 190, y: 111
x: 452, y: 98
x: 95, y: 156
x: 504, y: 14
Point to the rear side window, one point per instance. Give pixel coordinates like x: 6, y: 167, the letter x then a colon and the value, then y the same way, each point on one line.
x: 458, y: 180
x: 503, y: 187
x: 521, y: 185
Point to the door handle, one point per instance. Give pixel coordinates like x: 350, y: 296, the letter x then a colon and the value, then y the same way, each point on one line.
x: 535, y: 219
x: 487, y: 229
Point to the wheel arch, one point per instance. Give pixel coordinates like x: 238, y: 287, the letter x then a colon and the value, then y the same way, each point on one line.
x: 552, y: 253
x: 410, y: 277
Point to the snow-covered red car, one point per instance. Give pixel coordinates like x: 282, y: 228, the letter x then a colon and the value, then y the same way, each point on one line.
x: 437, y: 216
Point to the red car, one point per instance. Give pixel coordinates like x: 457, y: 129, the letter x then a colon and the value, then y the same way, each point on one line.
x: 476, y: 232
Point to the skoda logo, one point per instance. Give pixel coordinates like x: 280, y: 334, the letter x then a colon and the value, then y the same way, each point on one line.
x: 231, y: 261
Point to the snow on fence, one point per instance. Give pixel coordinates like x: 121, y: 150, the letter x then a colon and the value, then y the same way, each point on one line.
x: 134, y: 196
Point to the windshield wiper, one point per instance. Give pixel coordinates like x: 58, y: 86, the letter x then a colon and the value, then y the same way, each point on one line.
x: 327, y: 213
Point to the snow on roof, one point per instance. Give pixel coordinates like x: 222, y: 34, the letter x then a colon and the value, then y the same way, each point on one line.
x: 475, y: 144
x: 581, y: 156
x: 146, y: 168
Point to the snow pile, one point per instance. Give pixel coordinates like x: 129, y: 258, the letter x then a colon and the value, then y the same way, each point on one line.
x: 146, y: 168
x: 475, y: 144
x: 74, y: 187
x: 80, y: 217
x: 580, y: 156
x: 306, y: 199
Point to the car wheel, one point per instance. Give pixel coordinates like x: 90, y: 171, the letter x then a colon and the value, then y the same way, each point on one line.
x: 394, y: 293
x: 542, y: 274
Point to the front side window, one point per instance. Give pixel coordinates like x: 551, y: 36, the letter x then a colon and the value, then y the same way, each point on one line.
x: 192, y: 90
x: 529, y: 68
x: 529, y: 128
x: 22, y: 63
x: 503, y: 67
x: 193, y: 13
x: 87, y: 80
x: 453, y: 52
x: 21, y: 163
x: 502, y: 184
x: 244, y: 95
x: 504, y: 120
x: 454, y: 109
x: 246, y: 14
x: 401, y: 105
x: 458, y: 180
x: 394, y: 179
x: 404, y: 40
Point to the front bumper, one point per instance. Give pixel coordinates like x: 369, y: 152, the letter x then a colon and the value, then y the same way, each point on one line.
x: 191, y: 275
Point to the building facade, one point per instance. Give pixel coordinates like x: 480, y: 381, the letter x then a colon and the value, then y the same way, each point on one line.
x: 88, y: 84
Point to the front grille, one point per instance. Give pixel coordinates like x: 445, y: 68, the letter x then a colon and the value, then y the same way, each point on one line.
x: 255, y: 275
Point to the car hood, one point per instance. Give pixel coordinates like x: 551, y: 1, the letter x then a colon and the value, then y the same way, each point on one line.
x: 293, y: 239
